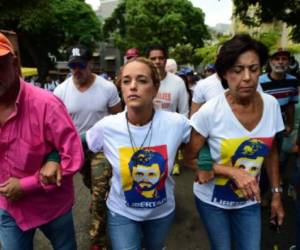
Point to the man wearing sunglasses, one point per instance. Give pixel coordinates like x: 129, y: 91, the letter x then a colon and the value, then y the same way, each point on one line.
x: 88, y: 99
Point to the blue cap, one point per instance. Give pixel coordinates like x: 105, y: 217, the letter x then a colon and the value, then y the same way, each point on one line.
x: 185, y: 71
x: 211, y: 67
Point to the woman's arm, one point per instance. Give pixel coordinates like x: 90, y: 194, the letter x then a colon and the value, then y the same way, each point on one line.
x: 191, y: 153
x: 50, y: 172
x: 272, y: 166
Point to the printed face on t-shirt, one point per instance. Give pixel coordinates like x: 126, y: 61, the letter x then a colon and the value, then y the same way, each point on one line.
x: 143, y: 174
x: 246, y: 154
x: 146, y: 177
x: 252, y: 166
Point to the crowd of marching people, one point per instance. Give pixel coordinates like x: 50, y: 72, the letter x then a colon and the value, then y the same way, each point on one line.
x: 236, y: 129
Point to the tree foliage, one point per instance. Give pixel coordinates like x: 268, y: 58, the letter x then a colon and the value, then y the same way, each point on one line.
x: 269, y: 10
x: 269, y: 38
x: 139, y: 23
x: 44, y: 26
x: 182, y: 54
x: 208, y: 53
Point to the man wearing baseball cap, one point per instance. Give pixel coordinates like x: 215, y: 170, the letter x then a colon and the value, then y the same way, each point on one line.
x: 33, y: 123
x: 283, y: 86
x: 83, y: 88
x: 88, y: 98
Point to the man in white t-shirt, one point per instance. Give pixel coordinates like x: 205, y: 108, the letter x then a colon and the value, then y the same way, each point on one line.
x: 206, y: 89
x: 88, y: 99
x: 172, y: 94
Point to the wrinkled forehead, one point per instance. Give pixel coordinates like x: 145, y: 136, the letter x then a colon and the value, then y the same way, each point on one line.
x: 281, y: 56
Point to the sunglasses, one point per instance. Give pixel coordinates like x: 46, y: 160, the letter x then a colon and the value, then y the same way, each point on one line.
x: 76, y: 65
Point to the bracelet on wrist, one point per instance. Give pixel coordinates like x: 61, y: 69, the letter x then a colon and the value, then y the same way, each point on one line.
x: 276, y: 190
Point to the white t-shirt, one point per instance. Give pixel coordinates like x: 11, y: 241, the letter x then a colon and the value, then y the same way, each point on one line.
x: 127, y: 196
x: 207, y: 88
x: 172, y: 95
x: 232, y: 144
x: 88, y: 107
x: 210, y: 87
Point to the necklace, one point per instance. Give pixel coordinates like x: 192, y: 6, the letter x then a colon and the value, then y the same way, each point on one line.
x: 135, y: 148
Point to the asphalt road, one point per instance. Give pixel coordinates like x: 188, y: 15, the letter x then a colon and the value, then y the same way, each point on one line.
x: 187, y: 232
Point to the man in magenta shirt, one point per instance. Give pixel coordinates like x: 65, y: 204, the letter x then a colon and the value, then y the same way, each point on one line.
x: 33, y: 123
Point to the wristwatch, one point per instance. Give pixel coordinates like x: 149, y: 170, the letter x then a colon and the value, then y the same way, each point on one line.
x: 276, y: 190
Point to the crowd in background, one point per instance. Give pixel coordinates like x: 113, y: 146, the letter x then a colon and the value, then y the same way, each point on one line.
x: 235, y: 125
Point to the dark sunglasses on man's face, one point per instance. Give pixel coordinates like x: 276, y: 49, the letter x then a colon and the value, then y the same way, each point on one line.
x: 76, y: 65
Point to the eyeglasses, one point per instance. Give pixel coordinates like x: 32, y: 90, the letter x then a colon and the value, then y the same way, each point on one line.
x: 76, y: 65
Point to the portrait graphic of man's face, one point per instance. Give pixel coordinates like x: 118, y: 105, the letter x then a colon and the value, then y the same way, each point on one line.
x: 249, y: 156
x: 146, y: 172
x: 252, y: 166
x: 147, y: 177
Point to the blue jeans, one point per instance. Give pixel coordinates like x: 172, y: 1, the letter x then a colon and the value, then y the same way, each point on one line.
x: 240, y: 227
x: 128, y: 234
x: 60, y: 232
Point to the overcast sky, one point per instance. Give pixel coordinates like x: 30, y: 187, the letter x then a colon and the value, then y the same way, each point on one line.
x: 216, y: 11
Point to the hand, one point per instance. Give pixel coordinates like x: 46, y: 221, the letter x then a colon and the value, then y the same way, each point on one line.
x: 11, y: 189
x: 203, y: 176
x: 50, y: 173
x: 246, y: 183
x: 288, y: 130
x: 295, y: 148
x: 277, y: 212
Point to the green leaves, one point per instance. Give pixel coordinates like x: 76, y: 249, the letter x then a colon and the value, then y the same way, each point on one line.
x: 45, y: 26
x: 140, y: 23
x: 255, y: 12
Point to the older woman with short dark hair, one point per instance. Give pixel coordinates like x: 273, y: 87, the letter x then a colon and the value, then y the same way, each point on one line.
x: 240, y: 127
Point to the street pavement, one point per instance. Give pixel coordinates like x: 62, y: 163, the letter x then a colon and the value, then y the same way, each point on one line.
x: 187, y: 232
